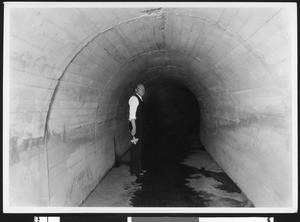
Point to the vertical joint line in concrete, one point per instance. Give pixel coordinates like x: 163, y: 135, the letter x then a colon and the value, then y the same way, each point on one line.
x: 102, y: 91
x: 47, y: 165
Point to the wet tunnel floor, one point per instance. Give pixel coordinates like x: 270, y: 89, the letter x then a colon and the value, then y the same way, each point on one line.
x: 180, y: 173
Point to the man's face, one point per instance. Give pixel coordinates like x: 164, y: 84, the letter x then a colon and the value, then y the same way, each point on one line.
x: 140, y: 90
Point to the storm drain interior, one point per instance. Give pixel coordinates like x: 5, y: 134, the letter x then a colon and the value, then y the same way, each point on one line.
x: 72, y: 71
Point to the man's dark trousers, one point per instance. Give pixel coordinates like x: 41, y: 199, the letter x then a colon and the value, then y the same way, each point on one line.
x: 136, y: 158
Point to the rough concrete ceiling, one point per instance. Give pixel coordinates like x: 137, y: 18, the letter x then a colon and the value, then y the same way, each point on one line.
x: 90, y: 56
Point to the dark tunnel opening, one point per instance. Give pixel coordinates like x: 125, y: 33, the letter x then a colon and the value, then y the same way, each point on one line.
x: 173, y: 115
x: 172, y: 107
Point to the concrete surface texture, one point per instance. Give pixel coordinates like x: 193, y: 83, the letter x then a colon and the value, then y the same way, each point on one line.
x: 72, y: 71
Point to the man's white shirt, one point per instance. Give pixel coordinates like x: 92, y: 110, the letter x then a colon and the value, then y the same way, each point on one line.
x: 133, y: 104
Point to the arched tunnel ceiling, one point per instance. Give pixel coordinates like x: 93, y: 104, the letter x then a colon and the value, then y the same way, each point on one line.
x: 83, y: 61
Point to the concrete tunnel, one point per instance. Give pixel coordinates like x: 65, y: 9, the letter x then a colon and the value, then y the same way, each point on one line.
x: 72, y: 71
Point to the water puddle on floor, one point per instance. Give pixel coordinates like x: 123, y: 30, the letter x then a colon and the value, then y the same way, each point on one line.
x: 180, y: 173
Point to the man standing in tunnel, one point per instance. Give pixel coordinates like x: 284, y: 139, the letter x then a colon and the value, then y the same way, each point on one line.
x: 136, y: 128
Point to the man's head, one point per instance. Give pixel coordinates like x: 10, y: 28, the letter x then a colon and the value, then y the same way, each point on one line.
x: 140, y: 89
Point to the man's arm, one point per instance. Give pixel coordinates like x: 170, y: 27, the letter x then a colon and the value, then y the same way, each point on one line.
x: 133, y: 104
x: 133, y: 131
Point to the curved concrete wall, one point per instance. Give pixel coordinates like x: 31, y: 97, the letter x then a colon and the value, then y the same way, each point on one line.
x: 72, y: 71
